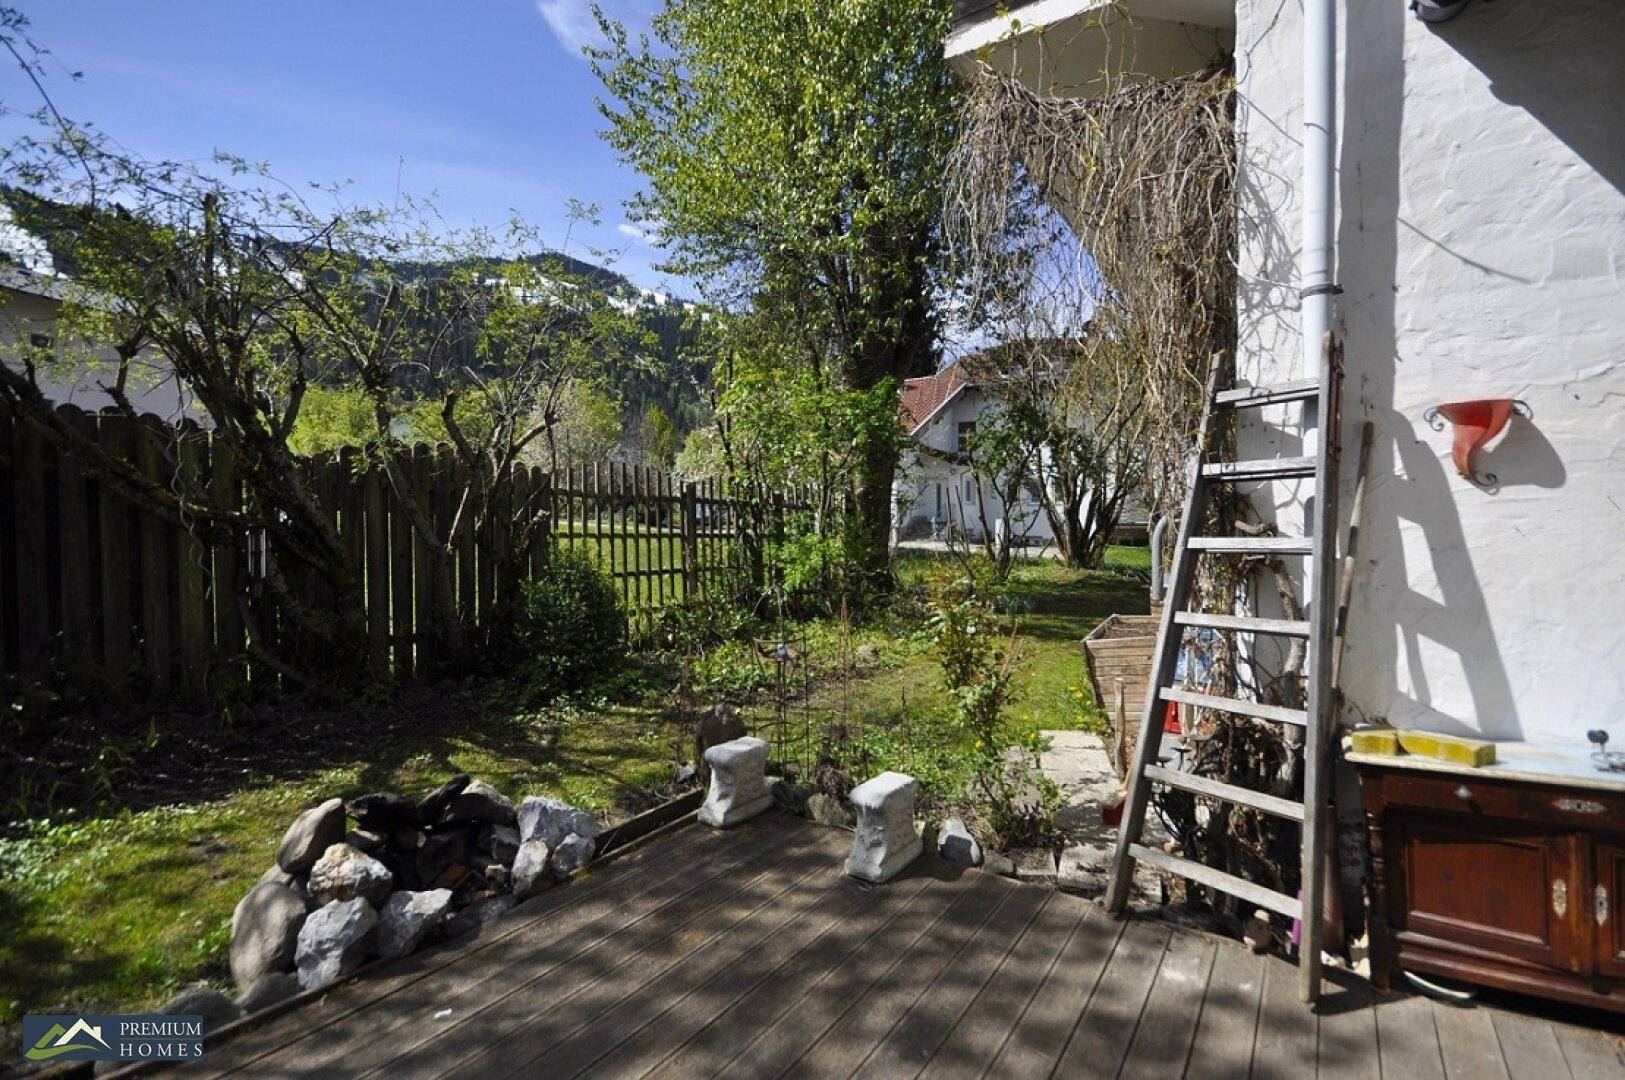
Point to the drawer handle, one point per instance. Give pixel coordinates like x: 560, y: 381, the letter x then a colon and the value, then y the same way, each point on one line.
x: 1579, y: 806
x: 1464, y: 793
x: 1599, y: 905
x: 1560, y: 897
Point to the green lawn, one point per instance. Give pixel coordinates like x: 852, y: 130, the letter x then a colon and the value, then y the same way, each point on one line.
x: 114, y: 910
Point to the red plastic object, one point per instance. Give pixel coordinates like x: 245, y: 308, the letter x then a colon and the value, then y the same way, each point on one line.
x: 1170, y: 720
x: 1475, y: 423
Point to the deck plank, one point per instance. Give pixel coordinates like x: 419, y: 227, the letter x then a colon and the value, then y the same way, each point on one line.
x: 976, y: 1040
x: 856, y: 1034
x: 1162, y: 1043
x: 1590, y: 1055
x: 1040, y: 1035
x: 1530, y: 1048
x: 1285, y: 1044
x: 1408, y: 1039
x: 752, y: 952
x: 663, y: 1032
x: 446, y: 998
x: 721, y: 1039
x: 1101, y: 1040
x: 559, y: 910
x: 914, y: 1038
x: 1468, y: 1044
x: 1223, y: 1046
x: 825, y: 1001
x: 516, y: 1019
x: 1349, y: 1044
x: 720, y: 935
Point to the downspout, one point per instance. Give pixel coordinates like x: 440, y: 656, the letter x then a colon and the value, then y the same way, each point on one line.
x: 1315, y: 282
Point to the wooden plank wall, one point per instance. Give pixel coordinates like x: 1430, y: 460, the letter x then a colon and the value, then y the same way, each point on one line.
x: 103, y: 594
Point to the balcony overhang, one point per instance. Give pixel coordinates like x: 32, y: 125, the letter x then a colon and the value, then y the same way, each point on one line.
x: 1076, y: 48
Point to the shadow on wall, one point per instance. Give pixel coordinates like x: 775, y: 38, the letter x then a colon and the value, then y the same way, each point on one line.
x: 1409, y: 482
x: 1525, y: 48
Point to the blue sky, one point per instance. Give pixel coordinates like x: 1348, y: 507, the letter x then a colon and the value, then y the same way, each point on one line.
x: 486, y: 104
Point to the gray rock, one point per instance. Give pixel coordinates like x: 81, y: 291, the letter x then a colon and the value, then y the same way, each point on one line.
x: 787, y: 796
x: 499, y: 876
x: 407, y: 918
x: 530, y: 875
x: 366, y: 840
x: 573, y: 853
x: 480, y: 803
x: 1084, y: 869
x: 268, y: 990
x: 384, y: 811
x: 439, y: 851
x: 828, y: 810
x: 265, y: 931
x: 343, y: 873
x: 956, y: 845
x: 215, y: 1008
x: 501, y: 842
x: 335, y: 940
x: 311, y: 834
x: 433, y: 805
x: 550, y: 821
x: 997, y: 862
x: 477, y: 914
x: 686, y: 775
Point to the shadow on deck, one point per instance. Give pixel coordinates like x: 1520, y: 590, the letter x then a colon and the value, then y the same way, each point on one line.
x: 751, y: 953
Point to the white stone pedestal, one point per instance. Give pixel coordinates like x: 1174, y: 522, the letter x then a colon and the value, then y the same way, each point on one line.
x: 887, y: 840
x: 738, y: 782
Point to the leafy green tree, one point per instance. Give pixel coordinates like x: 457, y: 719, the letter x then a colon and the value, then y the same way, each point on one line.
x: 793, y: 153
x: 333, y: 418
x: 587, y: 429
x: 658, y: 436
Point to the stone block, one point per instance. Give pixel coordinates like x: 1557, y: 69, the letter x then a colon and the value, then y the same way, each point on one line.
x: 886, y: 839
x: 738, y: 782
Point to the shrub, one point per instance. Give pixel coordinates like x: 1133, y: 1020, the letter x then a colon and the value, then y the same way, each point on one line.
x: 571, y: 629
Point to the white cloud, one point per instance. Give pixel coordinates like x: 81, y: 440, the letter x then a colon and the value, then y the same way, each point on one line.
x: 572, y: 22
x: 627, y: 229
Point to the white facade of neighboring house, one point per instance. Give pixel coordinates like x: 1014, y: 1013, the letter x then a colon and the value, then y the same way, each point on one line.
x: 936, y: 495
x: 1480, y: 246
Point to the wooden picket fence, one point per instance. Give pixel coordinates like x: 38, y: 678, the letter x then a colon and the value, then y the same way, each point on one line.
x: 99, y: 592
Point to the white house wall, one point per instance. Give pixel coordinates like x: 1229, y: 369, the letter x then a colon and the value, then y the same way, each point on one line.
x: 1481, y: 241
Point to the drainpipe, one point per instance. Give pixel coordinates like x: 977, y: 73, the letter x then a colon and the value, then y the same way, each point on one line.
x: 1157, y: 531
x: 1315, y: 281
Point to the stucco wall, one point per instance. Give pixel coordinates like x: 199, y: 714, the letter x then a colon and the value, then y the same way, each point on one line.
x: 1481, y: 244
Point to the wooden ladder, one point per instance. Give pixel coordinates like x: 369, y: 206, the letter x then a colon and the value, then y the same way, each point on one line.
x: 1313, y: 813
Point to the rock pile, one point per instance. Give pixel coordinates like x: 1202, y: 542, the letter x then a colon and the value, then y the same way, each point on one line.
x: 408, y: 873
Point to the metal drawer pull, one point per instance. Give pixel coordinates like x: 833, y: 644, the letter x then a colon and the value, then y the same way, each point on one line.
x: 1579, y: 806
x: 1599, y: 904
x: 1464, y: 793
x: 1560, y: 897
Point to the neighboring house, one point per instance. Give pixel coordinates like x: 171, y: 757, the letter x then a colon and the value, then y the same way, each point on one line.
x: 936, y: 495
x: 1479, y: 236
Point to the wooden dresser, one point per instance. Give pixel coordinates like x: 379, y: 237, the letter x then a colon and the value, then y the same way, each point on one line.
x: 1509, y: 876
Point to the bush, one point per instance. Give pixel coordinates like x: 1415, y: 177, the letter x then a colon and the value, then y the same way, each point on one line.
x: 571, y: 629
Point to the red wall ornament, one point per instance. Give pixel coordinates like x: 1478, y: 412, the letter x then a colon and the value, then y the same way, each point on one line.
x: 1476, y: 423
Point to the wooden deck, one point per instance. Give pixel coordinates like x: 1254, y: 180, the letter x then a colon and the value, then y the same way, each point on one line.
x: 750, y: 953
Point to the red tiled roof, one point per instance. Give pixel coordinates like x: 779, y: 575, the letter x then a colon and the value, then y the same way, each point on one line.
x: 921, y: 397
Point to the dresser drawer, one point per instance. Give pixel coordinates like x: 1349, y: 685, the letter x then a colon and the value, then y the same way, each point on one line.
x: 1571, y: 808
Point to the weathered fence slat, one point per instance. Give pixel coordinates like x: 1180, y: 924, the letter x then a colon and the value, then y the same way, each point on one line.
x: 105, y: 583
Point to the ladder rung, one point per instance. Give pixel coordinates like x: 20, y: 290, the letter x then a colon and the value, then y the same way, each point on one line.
x: 1253, y: 545
x: 1252, y: 397
x: 1280, y: 714
x: 1249, y: 623
x: 1296, y: 468
x: 1218, y: 879
x: 1215, y: 789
